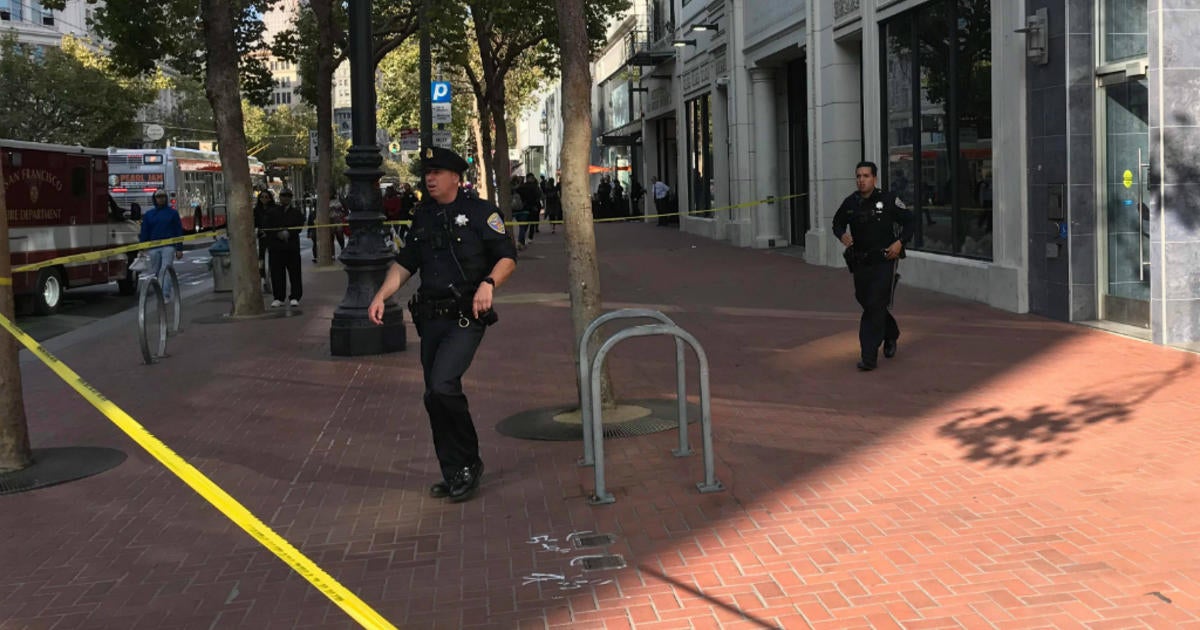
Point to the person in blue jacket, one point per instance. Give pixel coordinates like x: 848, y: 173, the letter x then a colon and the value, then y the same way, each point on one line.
x: 161, y: 222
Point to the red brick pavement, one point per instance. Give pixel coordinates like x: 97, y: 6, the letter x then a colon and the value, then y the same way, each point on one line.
x: 1003, y: 471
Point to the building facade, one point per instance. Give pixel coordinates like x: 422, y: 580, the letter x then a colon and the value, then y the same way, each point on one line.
x: 1047, y: 148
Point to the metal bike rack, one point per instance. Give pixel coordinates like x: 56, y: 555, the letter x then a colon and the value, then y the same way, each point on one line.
x: 710, y: 483
x: 585, y: 394
x: 152, y: 287
x: 176, y: 299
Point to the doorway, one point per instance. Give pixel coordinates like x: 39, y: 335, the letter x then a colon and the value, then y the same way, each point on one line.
x: 797, y: 84
x: 1125, y: 282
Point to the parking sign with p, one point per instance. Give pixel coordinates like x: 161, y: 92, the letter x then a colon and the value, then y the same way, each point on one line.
x: 441, y: 91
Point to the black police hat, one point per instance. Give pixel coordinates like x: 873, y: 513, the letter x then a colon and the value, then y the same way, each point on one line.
x: 437, y: 157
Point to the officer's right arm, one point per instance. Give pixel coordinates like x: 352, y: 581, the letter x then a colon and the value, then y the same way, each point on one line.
x: 397, y: 275
x: 841, y: 220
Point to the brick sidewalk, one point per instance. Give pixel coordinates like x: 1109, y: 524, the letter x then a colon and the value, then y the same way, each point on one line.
x: 1003, y: 470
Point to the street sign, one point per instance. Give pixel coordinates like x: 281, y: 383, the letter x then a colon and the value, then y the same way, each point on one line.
x: 410, y: 140
x: 441, y: 114
x: 441, y: 138
x: 312, y: 145
x: 154, y: 132
x: 440, y: 91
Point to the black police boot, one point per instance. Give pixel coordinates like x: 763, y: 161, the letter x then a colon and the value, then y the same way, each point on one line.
x: 465, y: 482
x: 439, y: 490
x: 889, y: 348
x: 866, y: 366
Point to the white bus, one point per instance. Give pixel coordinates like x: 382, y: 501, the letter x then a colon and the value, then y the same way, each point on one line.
x: 191, y: 178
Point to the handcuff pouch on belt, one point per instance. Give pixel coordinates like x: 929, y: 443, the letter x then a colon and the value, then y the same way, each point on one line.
x: 857, y: 259
x: 424, y: 309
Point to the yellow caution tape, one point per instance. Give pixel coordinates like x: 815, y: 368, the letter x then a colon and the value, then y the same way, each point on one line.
x: 211, y: 492
x: 116, y: 251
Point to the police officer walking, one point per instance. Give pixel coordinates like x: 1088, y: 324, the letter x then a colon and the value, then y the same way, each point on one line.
x: 460, y: 247
x: 880, y: 225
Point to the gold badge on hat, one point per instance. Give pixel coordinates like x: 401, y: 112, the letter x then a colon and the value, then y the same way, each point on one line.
x: 428, y: 153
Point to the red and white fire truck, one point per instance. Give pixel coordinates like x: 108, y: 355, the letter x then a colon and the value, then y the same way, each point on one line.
x: 58, y: 205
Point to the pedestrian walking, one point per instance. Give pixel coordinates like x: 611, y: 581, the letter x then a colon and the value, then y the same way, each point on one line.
x: 553, y: 194
x: 162, y: 222
x: 531, y: 195
x: 459, y: 246
x: 879, y: 225
x: 264, y: 204
x: 660, y: 190
x: 284, y: 223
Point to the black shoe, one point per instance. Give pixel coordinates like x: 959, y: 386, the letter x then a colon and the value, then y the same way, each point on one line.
x: 465, y: 482
x: 439, y: 490
x: 889, y: 348
x: 866, y: 366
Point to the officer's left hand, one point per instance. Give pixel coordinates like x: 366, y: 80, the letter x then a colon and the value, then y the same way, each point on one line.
x: 483, y: 299
x: 893, y: 251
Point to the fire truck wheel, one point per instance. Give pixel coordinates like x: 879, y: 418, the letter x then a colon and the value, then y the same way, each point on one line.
x: 128, y: 285
x: 49, y: 292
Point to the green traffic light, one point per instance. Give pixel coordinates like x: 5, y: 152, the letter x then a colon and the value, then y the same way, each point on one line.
x: 470, y: 160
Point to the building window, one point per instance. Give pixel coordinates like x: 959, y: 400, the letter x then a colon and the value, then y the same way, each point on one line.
x: 12, y: 8
x: 699, y: 148
x: 937, y: 117
x: 1125, y: 32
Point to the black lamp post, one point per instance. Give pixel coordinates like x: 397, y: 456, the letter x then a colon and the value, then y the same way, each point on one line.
x: 367, y: 255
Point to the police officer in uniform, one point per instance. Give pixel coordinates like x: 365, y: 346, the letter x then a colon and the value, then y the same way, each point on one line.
x: 460, y: 247
x: 880, y: 225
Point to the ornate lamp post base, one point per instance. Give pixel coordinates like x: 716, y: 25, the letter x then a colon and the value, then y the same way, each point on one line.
x: 367, y: 255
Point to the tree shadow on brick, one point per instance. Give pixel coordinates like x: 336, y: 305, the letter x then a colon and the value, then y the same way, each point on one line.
x: 1003, y: 437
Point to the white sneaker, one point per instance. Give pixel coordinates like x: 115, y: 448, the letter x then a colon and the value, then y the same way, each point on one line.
x: 276, y: 304
x: 295, y: 302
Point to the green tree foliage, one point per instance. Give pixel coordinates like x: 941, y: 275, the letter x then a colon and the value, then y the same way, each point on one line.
x: 142, y: 35
x: 68, y: 95
x: 282, y: 133
x: 392, y: 23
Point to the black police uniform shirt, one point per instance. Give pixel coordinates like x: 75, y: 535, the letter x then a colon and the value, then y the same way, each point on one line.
x: 458, y: 243
x: 872, y: 220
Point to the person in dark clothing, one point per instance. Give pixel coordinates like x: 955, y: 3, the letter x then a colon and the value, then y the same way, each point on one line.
x: 879, y: 226
x: 408, y: 202
x: 266, y: 201
x: 392, y: 205
x: 531, y: 196
x: 459, y: 246
x: 553, y: 195
x: 284, y: 222
x: 162, y: 222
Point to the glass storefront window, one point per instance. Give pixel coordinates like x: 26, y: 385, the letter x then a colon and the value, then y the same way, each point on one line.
x: 1125, y: 32
x: 700, y: 176
x: 937, y: 109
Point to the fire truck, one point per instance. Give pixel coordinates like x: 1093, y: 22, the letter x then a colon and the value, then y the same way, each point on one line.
x: 58, y: 205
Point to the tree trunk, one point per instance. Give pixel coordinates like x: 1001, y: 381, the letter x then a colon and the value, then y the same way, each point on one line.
x: 582, y: 265
x: 485, y: 183
x: 221, y: 86
x: 489, y: 160
x: 323, y: 10
x: 14, y: 431
x: 502, y: 163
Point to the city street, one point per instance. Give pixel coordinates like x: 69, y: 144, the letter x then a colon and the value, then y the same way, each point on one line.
x: 86, y: 305
x: 1002, y: 471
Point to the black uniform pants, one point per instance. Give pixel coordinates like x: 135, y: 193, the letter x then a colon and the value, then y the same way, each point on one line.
x: 446, y: 352
x: 873, y: 290
x: 285, y: 262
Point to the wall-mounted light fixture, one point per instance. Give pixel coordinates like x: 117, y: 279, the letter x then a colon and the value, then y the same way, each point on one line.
x: 703, y: 27
x: 680, y: 43
x: 1036, y: 36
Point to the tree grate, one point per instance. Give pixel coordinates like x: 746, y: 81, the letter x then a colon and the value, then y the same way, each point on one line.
x: 593, y: 540
x: 608, y: 562
x: 52, y: 466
